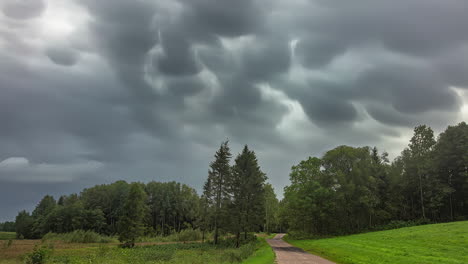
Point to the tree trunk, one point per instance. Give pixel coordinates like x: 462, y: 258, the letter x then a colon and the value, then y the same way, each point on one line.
x: 421, y: 196
x: 216, y: 231
x: 451, y: 207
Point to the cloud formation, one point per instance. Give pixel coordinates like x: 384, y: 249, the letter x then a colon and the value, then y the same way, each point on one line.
x: 96, y: 91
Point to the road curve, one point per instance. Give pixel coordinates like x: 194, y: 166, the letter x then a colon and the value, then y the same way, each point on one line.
x: 288, y: 254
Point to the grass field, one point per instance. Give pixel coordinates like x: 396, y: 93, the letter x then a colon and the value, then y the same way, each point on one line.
x: 251, y: 253
x: 7, y: 235
x: 429, y: 244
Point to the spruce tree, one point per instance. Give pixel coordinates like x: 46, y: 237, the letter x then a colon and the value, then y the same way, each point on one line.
x: 216, y: 191
x: 247, y: 188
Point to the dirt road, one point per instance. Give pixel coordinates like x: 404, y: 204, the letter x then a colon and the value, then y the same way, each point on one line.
x: 287, y: 254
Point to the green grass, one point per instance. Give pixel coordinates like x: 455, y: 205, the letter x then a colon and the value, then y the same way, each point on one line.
x: 7, y: 235
x: 263, y: 255
x: 429, y: 244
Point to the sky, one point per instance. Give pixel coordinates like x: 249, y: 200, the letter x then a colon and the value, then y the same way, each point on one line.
x: 97, y: 91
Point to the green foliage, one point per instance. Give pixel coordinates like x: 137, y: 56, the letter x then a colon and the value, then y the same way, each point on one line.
x: 40, y: 214
x: 134, y: 212
x: 352, y: 190
x: 7, y: 226
x: 450, y: 159
x: 186, y: 235
x: 216, y: 189
x: 272, y: 210
x: 40, y: 255
x: 24, y: 225
x: 79, y: 236
x: 246, y: 188
x: 169, y: 201
x: 430, y: 244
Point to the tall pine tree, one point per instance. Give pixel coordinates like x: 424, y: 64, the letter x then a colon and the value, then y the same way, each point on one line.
x: 247, y: 188
x: 216, y: 189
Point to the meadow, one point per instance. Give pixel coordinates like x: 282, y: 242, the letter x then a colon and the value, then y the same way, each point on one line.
x: 7, y: 235
x: 256, y: 251
x: 445, y: 243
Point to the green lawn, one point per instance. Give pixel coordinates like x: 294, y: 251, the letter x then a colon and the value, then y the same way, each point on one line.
x: 438, y: 244
x: 7, y: 235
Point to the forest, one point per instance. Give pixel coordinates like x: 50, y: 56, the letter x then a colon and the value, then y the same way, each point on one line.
x: 235, y: 199
x: 347, y: 190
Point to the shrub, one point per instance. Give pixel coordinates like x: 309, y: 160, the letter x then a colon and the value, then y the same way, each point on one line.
x: 39, y: 255
x: 189, y: 235
x: 79, y: 236
x: 185, y: 235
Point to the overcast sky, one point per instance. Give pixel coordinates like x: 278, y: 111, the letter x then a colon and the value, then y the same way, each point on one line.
x: 97, y: 91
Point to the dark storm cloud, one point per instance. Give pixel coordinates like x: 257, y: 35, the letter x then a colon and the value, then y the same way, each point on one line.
x: 23, y: 9
x: 178, y: 57
x: 313, y: 51
x: 268, y: 56
x: 324, y: 109
x: 148, y: 89
x: 409, y: 89
x: 224, y: 18
x: 62, y: 55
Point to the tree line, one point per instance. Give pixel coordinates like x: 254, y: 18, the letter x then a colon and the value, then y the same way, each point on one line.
x: 235, y: 199
x: 351, y: 189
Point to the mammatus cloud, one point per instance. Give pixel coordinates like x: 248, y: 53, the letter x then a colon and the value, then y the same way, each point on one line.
x: 96, y: 91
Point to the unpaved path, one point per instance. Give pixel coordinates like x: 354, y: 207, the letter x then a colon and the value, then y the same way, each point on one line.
x: 288, y: 254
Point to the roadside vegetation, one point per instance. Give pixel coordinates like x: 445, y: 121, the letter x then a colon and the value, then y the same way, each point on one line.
x: 445, y: 243
x: 252, y: 250
x: 263, y: 255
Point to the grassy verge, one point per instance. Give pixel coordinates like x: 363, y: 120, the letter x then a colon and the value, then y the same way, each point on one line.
x: 263, y: 255
x: 7, y: 235
x: 429, y: 244
x: 193, y: 253
x: 110, y: 253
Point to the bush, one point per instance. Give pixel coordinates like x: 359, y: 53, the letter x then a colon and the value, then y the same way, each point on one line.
x: 79, y: 236
x: 185, y: 235
x: 39, y: 255
x: 189, y: 235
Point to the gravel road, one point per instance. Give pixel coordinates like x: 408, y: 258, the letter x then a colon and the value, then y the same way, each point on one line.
x: 288, y: 254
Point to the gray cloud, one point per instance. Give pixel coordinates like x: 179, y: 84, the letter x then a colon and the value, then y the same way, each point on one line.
x: 156, y: 85
x: 62, y: 55
x: 23, y: 9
